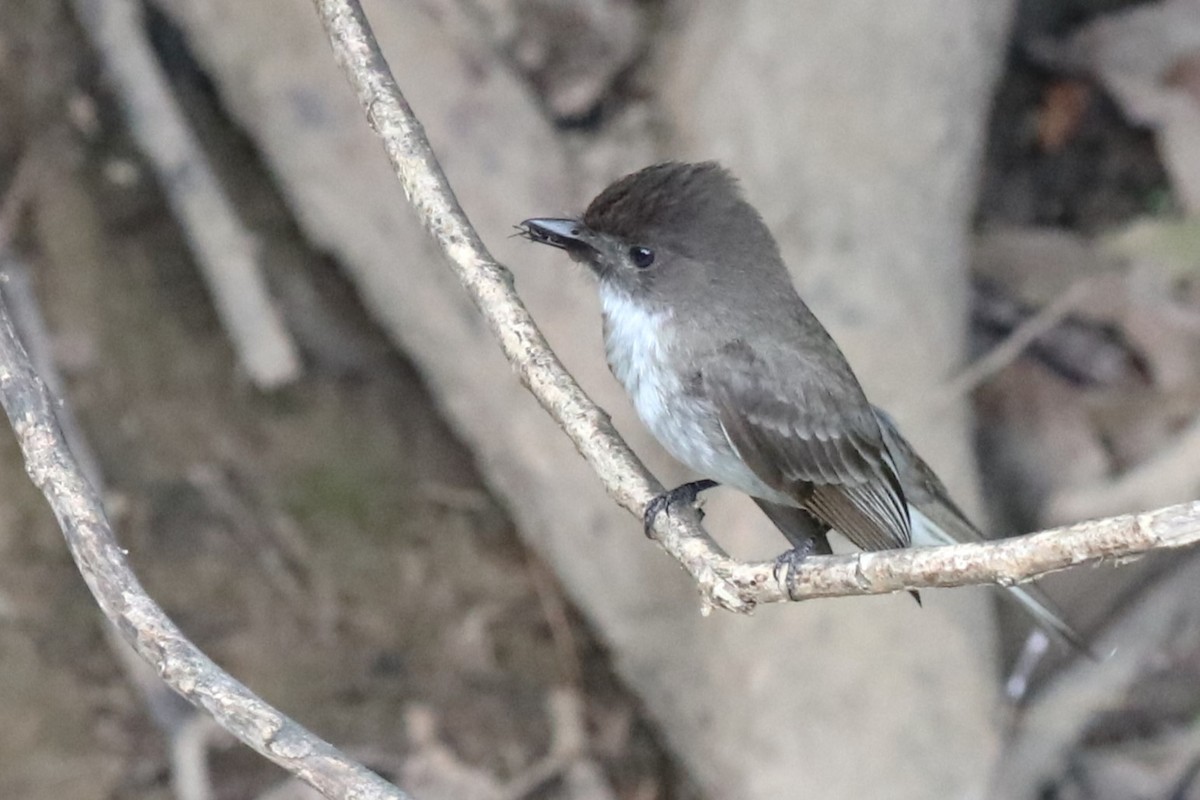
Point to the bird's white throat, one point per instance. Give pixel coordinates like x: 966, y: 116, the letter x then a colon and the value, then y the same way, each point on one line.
x: 636, y: 341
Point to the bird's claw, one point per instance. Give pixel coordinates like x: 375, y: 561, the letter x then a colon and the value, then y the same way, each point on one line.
x: 687, y: 493
x: 787, y: 563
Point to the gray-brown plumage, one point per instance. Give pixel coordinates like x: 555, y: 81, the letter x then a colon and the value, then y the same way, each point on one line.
x: 943, y: 522
x: 727, y: 366
x: 779, y: 410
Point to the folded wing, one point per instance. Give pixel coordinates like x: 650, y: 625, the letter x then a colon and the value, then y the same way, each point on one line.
x: 812, y: 439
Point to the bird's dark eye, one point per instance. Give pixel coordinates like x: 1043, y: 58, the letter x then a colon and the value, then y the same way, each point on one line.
x: 642, y: 257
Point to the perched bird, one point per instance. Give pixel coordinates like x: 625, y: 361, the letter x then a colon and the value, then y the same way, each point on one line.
x: 735, y: 376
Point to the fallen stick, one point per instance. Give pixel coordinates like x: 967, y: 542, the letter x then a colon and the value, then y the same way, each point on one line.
x: 227, y: 254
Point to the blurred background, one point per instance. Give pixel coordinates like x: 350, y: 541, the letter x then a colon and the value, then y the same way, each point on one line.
x: 325, y: 472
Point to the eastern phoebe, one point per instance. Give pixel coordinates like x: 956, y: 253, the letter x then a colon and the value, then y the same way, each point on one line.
x: 736, y: 377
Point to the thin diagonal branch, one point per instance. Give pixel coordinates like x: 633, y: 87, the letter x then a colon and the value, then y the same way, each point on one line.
x: 1018, y: 341
x: 723, y: 581
x: 490, y: 286
x: 143, y: 624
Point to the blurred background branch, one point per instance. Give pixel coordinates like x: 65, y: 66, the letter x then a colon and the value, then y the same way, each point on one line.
x: 228, y: 255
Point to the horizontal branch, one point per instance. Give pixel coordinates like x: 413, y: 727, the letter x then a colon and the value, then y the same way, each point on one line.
x: 1004, y: 561
x: 723, y: 581
x: 102, y: 562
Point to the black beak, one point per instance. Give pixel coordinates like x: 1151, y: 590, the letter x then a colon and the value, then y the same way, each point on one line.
x: 565, y: 234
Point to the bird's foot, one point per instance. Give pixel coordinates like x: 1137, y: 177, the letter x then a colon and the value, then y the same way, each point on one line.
x: 687, y: 493
x: 787, y: 563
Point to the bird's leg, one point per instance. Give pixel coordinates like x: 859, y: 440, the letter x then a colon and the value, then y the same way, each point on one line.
x: 789, y: 561
x: 687, y: 493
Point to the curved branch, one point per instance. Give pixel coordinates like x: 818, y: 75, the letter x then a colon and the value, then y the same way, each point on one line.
x: 142, y: 623
x: 723, y: 581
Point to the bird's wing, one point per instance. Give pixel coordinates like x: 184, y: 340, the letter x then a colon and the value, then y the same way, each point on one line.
x: 923, y: 489
x: 939, y: 521
x: 823, y: 450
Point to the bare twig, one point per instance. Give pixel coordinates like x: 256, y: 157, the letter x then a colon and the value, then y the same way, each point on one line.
x: 17, y: 293
x: 567, y: 745
x: 102, y: 563
x: 217, y: 490
x: 1011, y: 348
x: 174, y: 716
x: 178, y: 720
x: 723, y: 581
x: 226, y: 252
x: 16, y: 195
x: 1004, y: 561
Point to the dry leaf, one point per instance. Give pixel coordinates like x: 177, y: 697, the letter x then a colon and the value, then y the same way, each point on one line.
x: 1063, y: 106
x: 1144, y: 57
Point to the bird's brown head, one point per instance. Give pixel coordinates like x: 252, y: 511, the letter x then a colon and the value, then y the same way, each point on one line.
x: 663, y: 227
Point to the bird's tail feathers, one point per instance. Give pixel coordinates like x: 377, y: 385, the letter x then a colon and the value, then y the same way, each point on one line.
x: 939, y: 525
x: 1039, y: 606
